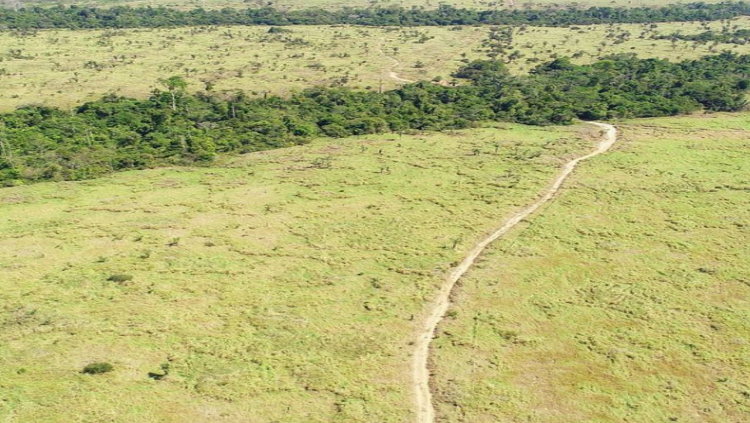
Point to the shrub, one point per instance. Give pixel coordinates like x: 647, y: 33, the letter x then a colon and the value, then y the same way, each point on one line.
x: 334, y: 130
x: 120, y: 278
x: 97, y: 368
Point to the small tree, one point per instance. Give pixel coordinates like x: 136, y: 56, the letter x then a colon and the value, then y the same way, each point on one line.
x: 120, y: 278
x: 5, y: 150
x: 97, y: 368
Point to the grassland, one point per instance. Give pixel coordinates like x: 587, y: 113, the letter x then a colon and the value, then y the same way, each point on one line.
x: 625, y: 300
x: 338, y: 4
x: 280, y: 286
x: 64, y: 68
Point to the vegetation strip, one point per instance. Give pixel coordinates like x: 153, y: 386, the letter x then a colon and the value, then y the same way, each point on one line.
x: 172, y: 127
x: 75, y: 17
x: 740, y: 37
x: 421, y: 372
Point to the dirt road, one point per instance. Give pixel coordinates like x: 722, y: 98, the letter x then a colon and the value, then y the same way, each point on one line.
x: 420, y: 371
x: 396, y: 64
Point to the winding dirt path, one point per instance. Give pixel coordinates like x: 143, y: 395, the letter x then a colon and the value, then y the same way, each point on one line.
x: 420, y: 371
x: 396, y: 64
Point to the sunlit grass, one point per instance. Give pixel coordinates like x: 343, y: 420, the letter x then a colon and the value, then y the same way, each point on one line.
x: 278, y: 286
x: 625, y: 300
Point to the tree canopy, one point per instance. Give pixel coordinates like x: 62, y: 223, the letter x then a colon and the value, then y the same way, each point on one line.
x: 172, y: 127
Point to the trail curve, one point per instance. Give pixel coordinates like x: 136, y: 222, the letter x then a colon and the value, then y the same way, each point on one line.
x: 420, y: 372
x: 396, y: 64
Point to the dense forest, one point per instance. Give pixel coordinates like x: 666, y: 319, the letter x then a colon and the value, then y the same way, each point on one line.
x: 75, y: 17
x: 173, y: 127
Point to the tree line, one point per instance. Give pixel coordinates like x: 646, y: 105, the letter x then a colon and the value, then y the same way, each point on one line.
x: 740, y: 36
x: 172, y: 127
x: 82, y: 17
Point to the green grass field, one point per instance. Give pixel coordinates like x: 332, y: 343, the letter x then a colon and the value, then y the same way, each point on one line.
x: 277, y: 286
x: 65, y: 68
x: 625, y: 300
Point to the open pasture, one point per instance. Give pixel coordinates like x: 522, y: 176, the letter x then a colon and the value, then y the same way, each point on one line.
x: 284, y: 285
x: 628, y: 299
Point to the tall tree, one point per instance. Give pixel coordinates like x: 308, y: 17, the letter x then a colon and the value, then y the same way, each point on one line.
x: 176, y: 86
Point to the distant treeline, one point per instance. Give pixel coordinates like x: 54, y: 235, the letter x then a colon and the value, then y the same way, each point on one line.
x: 741, y: 36
x: 173, y: 127
x: 77, y: 17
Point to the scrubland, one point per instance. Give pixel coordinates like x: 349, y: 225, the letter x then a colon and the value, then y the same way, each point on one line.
x: 65, y: 68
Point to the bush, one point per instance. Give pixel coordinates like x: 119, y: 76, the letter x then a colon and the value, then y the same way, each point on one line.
x: 120, y: 278
x: 97, y: 368
x: 335, y: 130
